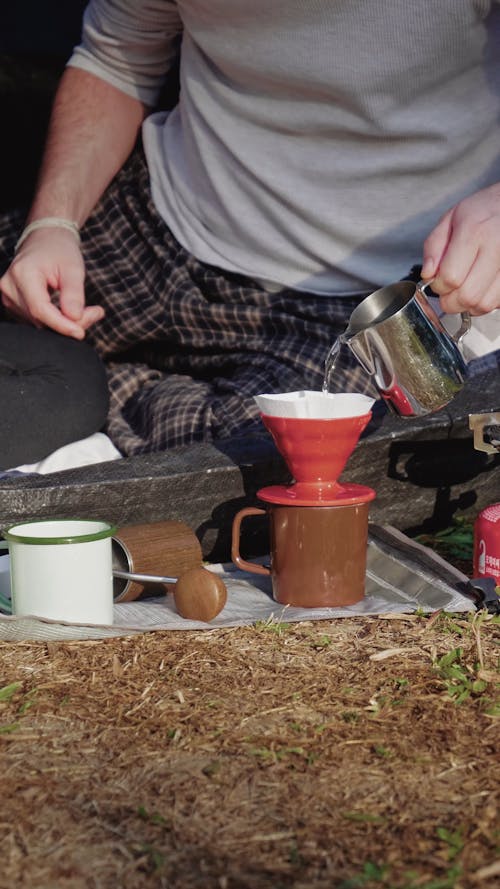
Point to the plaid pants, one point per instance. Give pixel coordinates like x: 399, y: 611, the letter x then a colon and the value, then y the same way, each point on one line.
x: 187, y: 345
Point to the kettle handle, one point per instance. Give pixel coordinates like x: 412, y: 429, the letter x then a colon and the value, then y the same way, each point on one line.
x: 465, y: 316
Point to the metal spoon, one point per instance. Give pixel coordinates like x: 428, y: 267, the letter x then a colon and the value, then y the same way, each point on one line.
x: 143, y: 578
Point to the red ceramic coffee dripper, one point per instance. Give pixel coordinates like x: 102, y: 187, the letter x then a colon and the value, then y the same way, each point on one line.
x: 316, y: 451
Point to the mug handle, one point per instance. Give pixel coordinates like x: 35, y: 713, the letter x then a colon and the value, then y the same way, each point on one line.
x: 235, y: 543
x: 5, y: 604
x: 465, y: 316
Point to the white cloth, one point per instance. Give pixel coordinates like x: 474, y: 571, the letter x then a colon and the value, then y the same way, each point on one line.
x: 97, y: 448
x: 483, y: 336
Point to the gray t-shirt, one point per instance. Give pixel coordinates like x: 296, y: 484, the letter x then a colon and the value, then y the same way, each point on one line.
x: 316, y: 142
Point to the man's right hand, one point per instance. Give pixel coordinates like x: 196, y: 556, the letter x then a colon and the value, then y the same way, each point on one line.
x: 92, y: 130
x: 44, y: 284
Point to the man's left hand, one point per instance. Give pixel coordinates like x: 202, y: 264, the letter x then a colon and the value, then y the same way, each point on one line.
x: 462, y: 255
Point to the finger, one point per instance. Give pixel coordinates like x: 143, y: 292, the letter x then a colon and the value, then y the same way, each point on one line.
x: 16, y: 311
x: 51, y: 316
x: 14, y: 302
x: 435, y: 246
x: 91, y: 315
x: 457, y: 264
x: 472, y: 294
x: 72, y: 294
x: 33, y: 302
x: 489, y: 300
x: 45, y: 313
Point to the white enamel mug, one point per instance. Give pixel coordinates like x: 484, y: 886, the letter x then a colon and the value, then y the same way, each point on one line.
x: 61, y: 569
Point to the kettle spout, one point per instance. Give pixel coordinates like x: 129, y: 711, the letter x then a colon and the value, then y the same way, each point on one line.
x: 360, y: 346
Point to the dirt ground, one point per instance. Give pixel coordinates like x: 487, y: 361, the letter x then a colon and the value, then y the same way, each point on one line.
x: 352, y: 753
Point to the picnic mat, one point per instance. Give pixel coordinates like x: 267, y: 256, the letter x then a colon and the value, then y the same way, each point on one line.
x: 402, y: 577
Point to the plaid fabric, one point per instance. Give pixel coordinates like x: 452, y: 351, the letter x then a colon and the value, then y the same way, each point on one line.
x: 187, y: 345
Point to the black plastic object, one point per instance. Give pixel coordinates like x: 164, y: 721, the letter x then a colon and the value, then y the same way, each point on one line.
x: 53, y: 391
x: 484, y: 594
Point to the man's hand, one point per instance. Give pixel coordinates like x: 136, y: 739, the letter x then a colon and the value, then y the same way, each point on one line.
x: 44, y: 284
x: 92, y: 130
x: 462, y: 255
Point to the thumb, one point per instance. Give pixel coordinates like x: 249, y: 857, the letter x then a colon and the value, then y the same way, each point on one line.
x: 435, y: 246
x: 71, y: 296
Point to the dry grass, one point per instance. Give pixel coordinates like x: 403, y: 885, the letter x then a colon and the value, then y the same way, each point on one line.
x: 332, y: 754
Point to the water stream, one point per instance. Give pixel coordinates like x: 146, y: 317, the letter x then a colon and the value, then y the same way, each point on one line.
x: 331, y: 362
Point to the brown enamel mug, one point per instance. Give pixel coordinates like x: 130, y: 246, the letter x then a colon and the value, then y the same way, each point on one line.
x: 159, y: 548
x: 318, y: 554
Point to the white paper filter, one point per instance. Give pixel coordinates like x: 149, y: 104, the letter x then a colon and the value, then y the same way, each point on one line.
x: 314, y: 405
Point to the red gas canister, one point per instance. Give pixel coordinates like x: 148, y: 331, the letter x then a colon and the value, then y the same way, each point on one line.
x: 487, y: 543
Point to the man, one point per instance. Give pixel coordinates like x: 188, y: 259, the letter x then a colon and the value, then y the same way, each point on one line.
x: 318, y: 151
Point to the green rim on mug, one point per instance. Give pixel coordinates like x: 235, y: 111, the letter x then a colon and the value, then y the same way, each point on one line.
x: 106, y: 530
